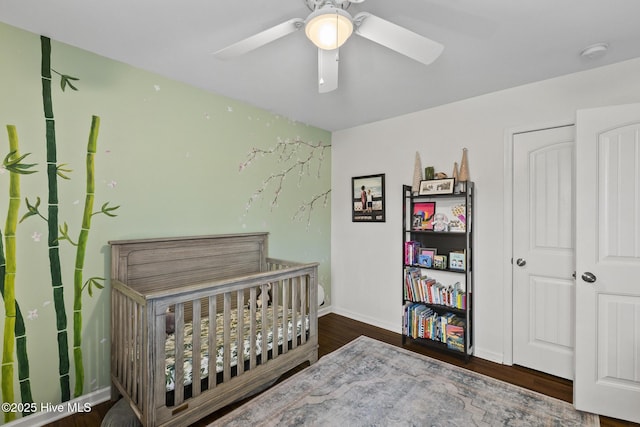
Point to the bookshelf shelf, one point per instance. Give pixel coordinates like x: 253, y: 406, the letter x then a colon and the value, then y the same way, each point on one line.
x: 438, y: 270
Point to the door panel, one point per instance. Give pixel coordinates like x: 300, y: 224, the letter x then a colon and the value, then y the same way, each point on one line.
x: 550, y: 305
x: 618, y: 163
x: 608, y: 262
x: 543, y: 242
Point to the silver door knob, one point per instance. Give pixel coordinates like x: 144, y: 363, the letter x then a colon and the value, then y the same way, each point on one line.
x: 521, y: 262
x: 588, y: 277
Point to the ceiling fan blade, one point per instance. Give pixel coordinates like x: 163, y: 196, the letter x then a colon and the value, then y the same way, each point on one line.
x: 260, y: 39
x: 328, y: 70
x: 397, y: 38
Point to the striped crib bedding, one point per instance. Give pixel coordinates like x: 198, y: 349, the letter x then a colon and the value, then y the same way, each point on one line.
x: 170, y: 349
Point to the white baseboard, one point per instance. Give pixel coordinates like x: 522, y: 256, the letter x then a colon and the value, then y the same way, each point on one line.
x: 57, y: 411
x: 368, y: 320
x: 489, y: 355
x: 323, y: 310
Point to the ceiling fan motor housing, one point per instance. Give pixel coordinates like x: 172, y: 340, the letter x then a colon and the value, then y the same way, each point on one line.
x: 318, y: 4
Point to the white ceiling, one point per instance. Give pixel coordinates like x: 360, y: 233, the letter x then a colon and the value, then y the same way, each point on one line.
x: 489, y: 45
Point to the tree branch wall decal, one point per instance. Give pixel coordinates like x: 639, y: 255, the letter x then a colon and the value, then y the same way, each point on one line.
x: 296, y: 156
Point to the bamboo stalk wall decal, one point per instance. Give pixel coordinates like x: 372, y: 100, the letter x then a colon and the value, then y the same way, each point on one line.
x: 21, y: 340
x: 13, y: 164
x: 23, y: 360
x: 9, y: 286
x: 80, y: 255
x: 52, y: 222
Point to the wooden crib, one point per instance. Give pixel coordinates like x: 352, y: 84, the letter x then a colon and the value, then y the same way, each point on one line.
x: 258, y: 314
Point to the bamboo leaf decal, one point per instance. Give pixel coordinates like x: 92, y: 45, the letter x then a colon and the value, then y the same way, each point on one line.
x: 80, y: 256
x: 14, y: 332
x: 54, y: 253
x: 64, y: 234
x: 60, y: 171
x: 13, y: 163
x: 65, y: 80
x: 32, y: 209
x: 93, y: 282
x: 106, y: 210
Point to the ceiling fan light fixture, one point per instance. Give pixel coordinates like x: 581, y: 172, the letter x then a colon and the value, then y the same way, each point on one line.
x: 329, y: 27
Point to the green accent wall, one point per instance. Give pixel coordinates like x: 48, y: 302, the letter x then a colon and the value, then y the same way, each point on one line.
x: 169, y: 156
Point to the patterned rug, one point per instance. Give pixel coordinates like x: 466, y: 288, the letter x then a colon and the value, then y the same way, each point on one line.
x: 370, y: 383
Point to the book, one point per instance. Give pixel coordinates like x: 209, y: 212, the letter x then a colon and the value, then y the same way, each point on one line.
x: 411, y: 249
x: 457, y: 261
x: 458, y: 222
x: 440, y: 262
x: 455, y: 335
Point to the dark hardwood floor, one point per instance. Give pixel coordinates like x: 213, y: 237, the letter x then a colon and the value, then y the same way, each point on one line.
x: 335, y: 331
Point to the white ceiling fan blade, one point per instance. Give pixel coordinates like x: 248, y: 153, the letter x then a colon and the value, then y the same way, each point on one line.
x: 260, y: 39
x: 397, y: 38
x: 328, y: 70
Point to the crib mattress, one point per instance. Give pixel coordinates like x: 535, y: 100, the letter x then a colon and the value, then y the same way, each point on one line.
x: 170, y: 343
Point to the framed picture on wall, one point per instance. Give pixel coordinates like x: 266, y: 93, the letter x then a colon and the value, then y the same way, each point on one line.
x: 367, y: 198
x: 436, y: 186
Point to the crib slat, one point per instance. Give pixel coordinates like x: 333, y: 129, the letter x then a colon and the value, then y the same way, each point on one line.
x: 116, y: 337
x: 115, y: 351
x: 285, y: 315
x: 226, y: 376
x: 154, y: 380
x: 178, y: 391
x: 264, y: 354
x: 134, y: 345
x: 303, y: 309
x: 127, y: 339
x: 140, y: 350
x: 252, y: 328
x: 122, y: 344
x: 240, y: 333
x: 274, y: 314
x: 125, y: 345
x: 195, y: 348
x: 294, y: 309
x: 212, y: 340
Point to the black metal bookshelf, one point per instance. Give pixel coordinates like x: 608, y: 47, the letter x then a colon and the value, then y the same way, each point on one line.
x: 438, y: 302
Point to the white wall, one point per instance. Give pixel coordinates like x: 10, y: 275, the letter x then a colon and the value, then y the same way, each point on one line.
x: 366, y: 257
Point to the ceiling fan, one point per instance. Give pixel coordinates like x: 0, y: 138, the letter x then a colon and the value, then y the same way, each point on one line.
x: 328, y: 26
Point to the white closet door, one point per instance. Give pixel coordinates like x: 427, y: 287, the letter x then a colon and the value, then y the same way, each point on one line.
x: 607, y: 348
x: 543, y: 250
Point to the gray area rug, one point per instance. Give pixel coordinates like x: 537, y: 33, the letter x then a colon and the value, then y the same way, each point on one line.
x: 370, y: 383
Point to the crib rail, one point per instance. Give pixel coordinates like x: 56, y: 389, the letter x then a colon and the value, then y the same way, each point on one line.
x: 262, y: 324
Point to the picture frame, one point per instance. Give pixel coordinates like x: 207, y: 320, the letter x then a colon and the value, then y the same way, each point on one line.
x: 425, y: 257
x: 367, y: 198
x: 432, y: 252
x: 436, y: 186
x: 421, y: 218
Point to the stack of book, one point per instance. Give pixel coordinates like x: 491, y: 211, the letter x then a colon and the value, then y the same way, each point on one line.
x: 421, y: 321
x: 411, y: 249
x: 421, y: 288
